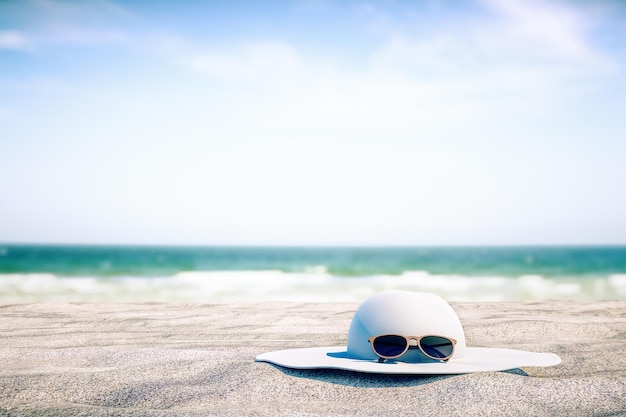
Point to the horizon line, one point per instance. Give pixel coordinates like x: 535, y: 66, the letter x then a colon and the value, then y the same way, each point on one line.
x: 312, y: 245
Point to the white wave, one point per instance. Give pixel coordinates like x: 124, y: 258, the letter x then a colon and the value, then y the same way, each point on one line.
x: 314, y: 286
x: 618, y: 284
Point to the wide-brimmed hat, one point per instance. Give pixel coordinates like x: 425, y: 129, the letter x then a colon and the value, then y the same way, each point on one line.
x: 412, y: 315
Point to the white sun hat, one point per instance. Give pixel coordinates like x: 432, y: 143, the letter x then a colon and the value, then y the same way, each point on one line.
x: 411, y: 315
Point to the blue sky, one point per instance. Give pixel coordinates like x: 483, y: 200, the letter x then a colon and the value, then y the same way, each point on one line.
x: 313, y: 122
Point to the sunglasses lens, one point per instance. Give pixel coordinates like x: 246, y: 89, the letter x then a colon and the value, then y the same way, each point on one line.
x: 389, y: 346
x: 437, y: 347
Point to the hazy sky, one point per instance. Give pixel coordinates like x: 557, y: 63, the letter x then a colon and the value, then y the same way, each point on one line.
x: 313, y: 122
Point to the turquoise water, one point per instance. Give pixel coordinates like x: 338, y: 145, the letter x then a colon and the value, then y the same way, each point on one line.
x: 118, y: 273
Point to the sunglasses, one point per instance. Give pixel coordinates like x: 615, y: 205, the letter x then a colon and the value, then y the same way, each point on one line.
x: 391, y: 346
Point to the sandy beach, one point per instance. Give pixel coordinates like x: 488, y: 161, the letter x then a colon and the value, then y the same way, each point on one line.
x: 159, y: 359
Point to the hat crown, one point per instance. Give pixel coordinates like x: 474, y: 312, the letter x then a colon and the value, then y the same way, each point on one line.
x: 403, y: 313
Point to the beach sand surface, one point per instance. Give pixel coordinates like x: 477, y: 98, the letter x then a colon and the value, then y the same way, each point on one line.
x: 159, y: 359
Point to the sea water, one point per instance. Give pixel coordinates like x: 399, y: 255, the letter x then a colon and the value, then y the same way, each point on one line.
x: 34, y: 273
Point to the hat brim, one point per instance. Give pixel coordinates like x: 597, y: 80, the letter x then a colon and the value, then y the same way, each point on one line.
x: 476, y: 360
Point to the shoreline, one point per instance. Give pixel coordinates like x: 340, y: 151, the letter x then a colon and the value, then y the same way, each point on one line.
x: 314, y: 287
x: 170, y: 359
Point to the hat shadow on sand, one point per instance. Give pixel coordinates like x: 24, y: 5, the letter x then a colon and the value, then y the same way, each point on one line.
x: 371, y: 380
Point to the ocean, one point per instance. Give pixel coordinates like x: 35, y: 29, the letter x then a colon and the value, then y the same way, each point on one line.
x: 51, y: 273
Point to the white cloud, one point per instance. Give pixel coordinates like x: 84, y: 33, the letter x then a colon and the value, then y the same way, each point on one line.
x: 82, y: 36
x: 16, y: 40
x: 548, y: 28
x: 250, y: 61
x: 532, y: 50
x: 409, y: 87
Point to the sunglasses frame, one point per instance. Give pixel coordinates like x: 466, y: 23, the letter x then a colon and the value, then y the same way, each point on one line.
x: 418, y: 343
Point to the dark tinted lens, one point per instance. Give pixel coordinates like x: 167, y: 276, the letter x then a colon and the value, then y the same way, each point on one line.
x: 389, y: 346
x: 437, y: 347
